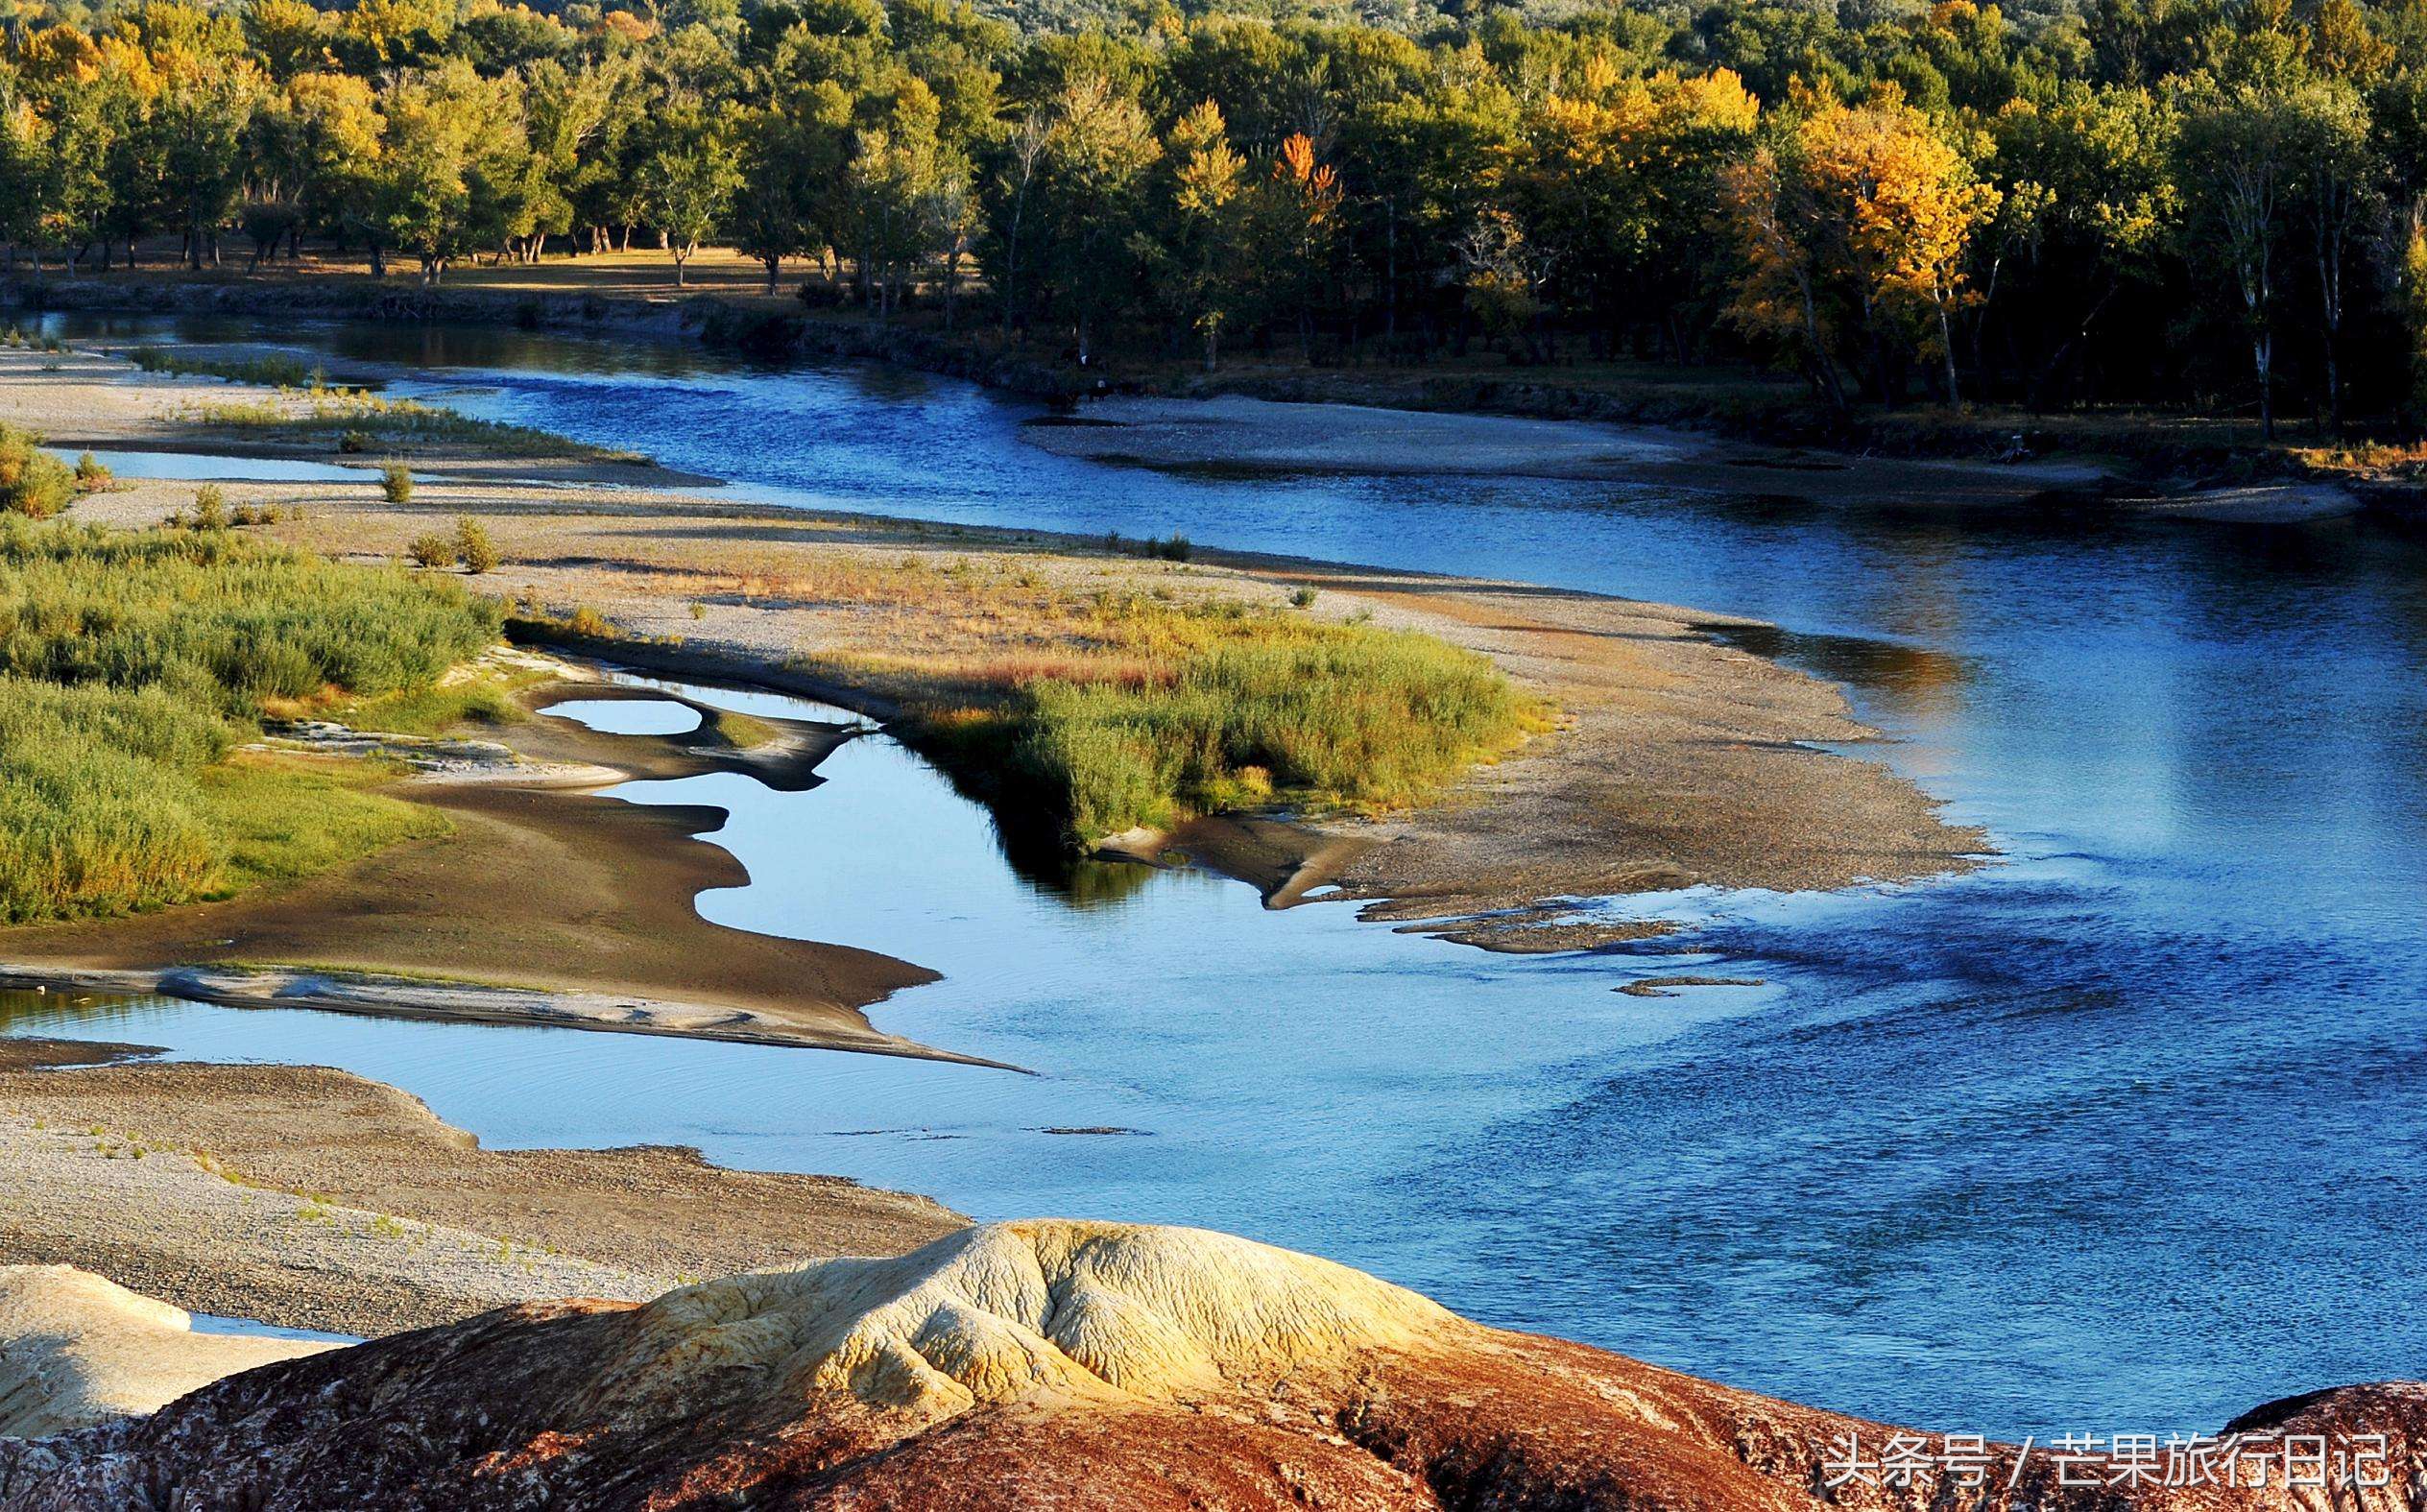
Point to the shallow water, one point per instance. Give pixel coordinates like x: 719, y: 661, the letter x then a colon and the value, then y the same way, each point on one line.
x: 203, y: 467
x: 2122, y: 1134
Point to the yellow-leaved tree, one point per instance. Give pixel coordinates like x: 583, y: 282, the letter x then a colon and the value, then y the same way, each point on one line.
x: 1853, y: 228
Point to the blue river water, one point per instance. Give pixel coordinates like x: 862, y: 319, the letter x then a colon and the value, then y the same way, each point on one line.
x: 2123, y: 1133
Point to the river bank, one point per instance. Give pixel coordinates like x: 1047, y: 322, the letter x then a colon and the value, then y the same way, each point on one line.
x: 1751, y: 433
x: 305, y: 1197
x: 1678, y: 760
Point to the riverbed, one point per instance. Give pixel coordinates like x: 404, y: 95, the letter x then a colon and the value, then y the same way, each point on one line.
x: 2122, y: 1134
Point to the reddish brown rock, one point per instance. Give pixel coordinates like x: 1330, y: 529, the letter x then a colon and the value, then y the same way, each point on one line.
x: 1084, y: 1366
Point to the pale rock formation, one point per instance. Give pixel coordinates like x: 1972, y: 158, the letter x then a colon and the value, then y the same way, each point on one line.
x: 77, y: 1350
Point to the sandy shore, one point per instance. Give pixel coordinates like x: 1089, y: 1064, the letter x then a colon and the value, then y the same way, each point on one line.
x: 1269, y: 436
x: 548, y: 904
x: 1260, y: 435
x: 311, y: 1198
x: 1678, y: 763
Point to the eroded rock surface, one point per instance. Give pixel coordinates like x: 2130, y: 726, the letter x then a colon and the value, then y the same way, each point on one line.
x: 1071, y: 1365
x: 77, y: 1350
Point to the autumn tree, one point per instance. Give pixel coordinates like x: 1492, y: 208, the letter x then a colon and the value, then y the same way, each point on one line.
x: 1197, y: 254
x: 1856, y: 226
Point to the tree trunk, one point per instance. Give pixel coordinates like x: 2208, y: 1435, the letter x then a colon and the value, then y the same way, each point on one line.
x: 2262, y: 353
x: 775, y: 267
x: 1946, y: 343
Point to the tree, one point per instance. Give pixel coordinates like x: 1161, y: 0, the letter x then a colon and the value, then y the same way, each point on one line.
x: 1298, y: 226
x: 1869, y: 211
x: 2237, y: 148
x: 2334, y: 175
x: 686, y: 180
x: 1094, y: 169
x: 2090, y: 197
x: 1196, y: 255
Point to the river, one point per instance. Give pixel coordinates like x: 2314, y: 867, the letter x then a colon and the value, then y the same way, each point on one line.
x: 2122, y: 1134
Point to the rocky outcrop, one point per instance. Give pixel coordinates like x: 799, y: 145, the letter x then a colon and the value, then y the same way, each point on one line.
x: 77, y: 1350
x: 1080, y: 1365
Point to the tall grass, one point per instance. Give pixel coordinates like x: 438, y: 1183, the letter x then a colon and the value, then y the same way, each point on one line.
x: 1331, y: 715
x: 97, y: 803
x: 222, y: 621
x: 352, y: 419
x: 130, y: 662
x: 270, y: 369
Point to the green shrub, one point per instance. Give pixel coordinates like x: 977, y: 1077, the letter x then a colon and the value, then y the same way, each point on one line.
x: 1301, y: 598
x: 479, y: 554
x: 210, y: 508
x: 395, y: 482
x: 431, y: 550
x: 91, y: 474
x: 32, y: 482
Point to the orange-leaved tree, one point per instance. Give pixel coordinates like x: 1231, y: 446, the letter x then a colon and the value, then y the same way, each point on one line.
x: 1853, y: 227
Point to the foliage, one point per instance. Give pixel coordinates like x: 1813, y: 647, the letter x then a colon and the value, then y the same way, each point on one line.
x: 473, y: 548
x: 1327, y: 714
x: 395, y: 483
x: 270, y: 370
x: 129, y: 664
x: 32, y: 482
x: 2176, y: 201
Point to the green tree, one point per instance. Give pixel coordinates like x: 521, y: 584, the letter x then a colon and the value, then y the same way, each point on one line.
x: 686, y: 180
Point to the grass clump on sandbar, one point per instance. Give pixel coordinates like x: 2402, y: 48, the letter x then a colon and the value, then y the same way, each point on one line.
x: 131, y: 666
x: 352, y: 419
x: 1149, y: 711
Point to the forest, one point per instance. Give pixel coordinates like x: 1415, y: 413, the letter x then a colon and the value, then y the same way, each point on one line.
x: 2213, y: 203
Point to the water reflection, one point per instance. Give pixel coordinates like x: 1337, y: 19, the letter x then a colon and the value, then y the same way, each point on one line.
x: 2124, y: 1133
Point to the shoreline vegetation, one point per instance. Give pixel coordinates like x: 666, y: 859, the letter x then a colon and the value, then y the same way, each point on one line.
x: 1135, y: 688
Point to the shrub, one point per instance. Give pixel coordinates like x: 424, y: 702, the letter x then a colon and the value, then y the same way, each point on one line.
x: 1301, y: 598
x: 91, y: 474
x: 395, y: 483
x: 1176, y: 550
x: 32, y: 482
x: 590, y: 622
x: 210, y: 508
x: 472, y: 544
x: 432, y: 550
x: 353, y: 443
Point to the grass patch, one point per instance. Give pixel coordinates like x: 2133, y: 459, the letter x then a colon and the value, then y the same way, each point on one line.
x: 486, y: 700
x: 130, y: 664
x: 1144, y: 709
x: 352, y: 420
x: 281, y: 818
x: 1333, y: 716
x: 268, y: 369
x: 741, y: 731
